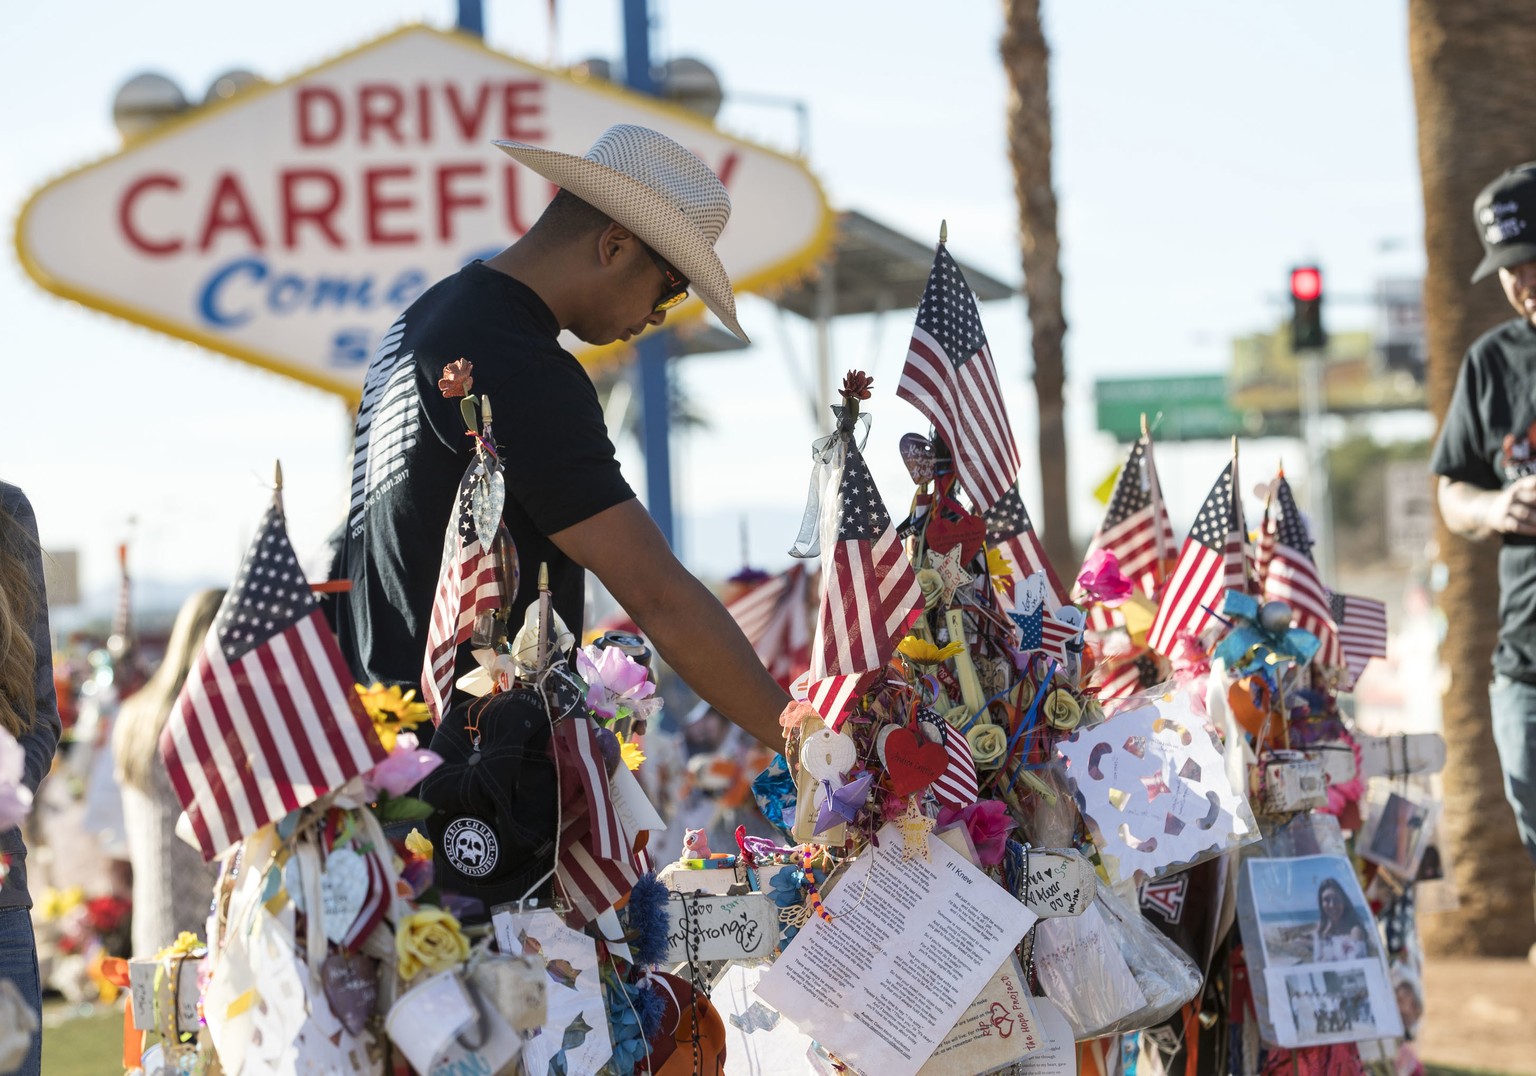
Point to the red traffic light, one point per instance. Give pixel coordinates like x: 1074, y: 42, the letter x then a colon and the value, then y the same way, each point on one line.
x: 1307, y: 284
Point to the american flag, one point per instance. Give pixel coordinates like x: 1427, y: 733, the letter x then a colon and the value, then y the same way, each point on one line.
x: 1288, y: 574
x: 594, y: 868
x: 1010, y: 532
x: 1039, y: 630
x: 957, y: 785
x: 773, y: 617
x: 1125, y: 676
x: 1213, y: 560
x: 1362, y: 624
x: 1136, y: 529
x: 467, y: 586
x: 268, y: 720
x: 950, y: 377
x: 869, y: 593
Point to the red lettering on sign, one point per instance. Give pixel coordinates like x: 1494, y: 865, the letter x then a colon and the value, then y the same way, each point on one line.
x: 424, y: 112
x: 514, y: 108
x: 516, y: 223
x: 316, y: 104
x: 319, y: 213
x: 727, y: 167
x: 229, y: 211
x: 376, y: 205
x: 449, y: 200
x: 468, y: 122
x: 379, y: 105
x: 156, y: 248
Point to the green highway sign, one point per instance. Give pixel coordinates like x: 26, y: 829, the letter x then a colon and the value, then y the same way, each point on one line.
x: 1193, y: 408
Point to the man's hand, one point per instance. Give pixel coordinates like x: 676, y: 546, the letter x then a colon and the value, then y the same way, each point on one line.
x: 1479, y: 513
x: 691, y: 629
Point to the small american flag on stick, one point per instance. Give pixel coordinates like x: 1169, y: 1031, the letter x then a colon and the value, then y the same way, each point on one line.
x: 267, y: 721
x: 467, y: 586
x: 773, y: 617
x: 1010, y: 532
x: 1362, y: 625
x: 1213, y: 560
x: 1136, y: 529
x: 1289, y: 573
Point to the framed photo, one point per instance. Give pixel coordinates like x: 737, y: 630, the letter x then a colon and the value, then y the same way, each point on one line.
x: 1396, y: 834
x: 1316, y: 1004
x: 1311, y: 911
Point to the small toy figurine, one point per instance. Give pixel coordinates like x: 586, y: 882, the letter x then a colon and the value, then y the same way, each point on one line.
x: 695, y: 844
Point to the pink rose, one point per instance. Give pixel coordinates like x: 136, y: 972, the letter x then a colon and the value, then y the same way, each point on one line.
x: 1102, y: 579
x: 614, y: 681
x: 988, y: 823
x: 402, y: 768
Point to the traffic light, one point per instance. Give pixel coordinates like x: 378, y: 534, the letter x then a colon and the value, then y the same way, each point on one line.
x: 1307, y: 309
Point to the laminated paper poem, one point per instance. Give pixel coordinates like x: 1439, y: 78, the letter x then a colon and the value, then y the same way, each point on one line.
x: 1153, y: 787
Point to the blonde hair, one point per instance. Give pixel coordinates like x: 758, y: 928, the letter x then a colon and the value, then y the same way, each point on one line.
x: 136, y: 735
x: 18, y: 608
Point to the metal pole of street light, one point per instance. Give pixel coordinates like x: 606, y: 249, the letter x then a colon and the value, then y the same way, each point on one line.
x: 472, y: 17
x: 1314, y: 405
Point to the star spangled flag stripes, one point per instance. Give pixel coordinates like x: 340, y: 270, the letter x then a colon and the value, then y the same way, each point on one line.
x: 957, y: 785
x: 1011, y: 533
x: 772, y: 616
x: 467, y: 586
x: 869, y: 593
x: 594, y: 866
x: 267, y: 721
x: 1212, y: 560
x: 1289, y: 574
x: 1136, y: 529
x: 949, y: 376
x: 1126, y: 676
x: 1362, y: 626
x: 1039, y: 630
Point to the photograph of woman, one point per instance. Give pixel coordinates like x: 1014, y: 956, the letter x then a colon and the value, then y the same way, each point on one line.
x: 1339, y: 935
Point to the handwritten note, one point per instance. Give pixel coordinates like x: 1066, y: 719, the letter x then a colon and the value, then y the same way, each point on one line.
x: 998, y: 1029
x: 908, y: 949
x: 1061, y: 882
x: 721, y: 928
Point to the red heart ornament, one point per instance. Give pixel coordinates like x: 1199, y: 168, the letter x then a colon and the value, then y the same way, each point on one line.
x: 966, y: 532
x: 913, y: 761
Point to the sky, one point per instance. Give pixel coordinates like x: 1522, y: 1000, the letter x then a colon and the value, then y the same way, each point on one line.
x: 1201, y: 149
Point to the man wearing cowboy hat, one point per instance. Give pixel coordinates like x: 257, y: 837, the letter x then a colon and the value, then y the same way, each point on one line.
x: 630, y: 234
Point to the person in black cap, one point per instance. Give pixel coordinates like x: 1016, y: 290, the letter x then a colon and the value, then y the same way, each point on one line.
x: 1486, y: 460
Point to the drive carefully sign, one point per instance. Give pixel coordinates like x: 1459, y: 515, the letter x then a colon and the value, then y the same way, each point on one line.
x: 288, y: 226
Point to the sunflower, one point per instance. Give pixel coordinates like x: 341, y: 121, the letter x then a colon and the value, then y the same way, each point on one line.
x: 392, y: 710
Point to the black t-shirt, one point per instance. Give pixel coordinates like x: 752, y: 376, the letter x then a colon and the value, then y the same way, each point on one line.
x: 412, y: 447
x: 1488, y: 441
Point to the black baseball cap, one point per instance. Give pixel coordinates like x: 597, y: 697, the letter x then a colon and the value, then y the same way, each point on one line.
x: 1504, y: 214
x: 494, y: 806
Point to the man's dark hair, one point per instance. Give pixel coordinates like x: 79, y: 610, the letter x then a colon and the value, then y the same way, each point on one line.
x: 568, y: 217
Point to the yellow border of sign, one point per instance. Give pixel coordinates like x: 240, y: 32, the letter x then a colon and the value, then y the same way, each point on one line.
x: 784, y: 271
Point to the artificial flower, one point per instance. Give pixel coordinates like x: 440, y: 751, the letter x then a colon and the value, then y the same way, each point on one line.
x: 988, y: 823
x: 957, y: 716
x: 1102, y: 579
x: 418, y: 845
x: 794, y: 715
x: 631, y: 753
x: 617, y: 684
x: 456, y: 379
x: 15, y: 797
x: 391, y: 710
x: 55, y: 903
x: 429, y: 940
x: 925, y: 653
x: 856, y: 385
x: 403, y: 768
x: 989, y: 744
x: 1061, y: 710
x: 931, y: 583
x: 186, y: 944
x: 998, y: 567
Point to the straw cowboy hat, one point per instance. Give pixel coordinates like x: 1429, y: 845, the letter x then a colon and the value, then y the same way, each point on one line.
x: 658, y: 190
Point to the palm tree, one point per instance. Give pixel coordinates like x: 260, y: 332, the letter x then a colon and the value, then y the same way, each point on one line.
x: 1026, y: 58
x: 1473, y: 81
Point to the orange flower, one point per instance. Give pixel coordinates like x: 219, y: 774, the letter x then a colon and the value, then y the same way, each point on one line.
x: 456, y: 380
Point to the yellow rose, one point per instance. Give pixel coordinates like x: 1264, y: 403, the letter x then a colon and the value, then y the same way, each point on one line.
x: 957, y: 716
x: 1062, y: 710
x: 429, y: 940
x: 989, y: 744
x: 418, y: 845
x: 932, y: 586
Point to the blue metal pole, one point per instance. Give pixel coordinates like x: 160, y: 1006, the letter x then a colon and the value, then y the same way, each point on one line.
x: 472, y: 17
x: 651, y: 350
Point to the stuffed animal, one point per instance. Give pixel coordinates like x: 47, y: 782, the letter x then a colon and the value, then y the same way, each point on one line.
x: 695, y: 844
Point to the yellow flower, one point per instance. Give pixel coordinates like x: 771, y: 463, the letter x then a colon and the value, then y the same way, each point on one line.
x: 186, y: 944
x: 418, y: 845
x: 997, y: 565
x: 392, y: 711
x: 630, y: 752
x: 429, y: 940
x: 54, y: 903
x: 989, y: 744
x: 925, y: 653
x: 1062, y: 710
x: 957, y: 716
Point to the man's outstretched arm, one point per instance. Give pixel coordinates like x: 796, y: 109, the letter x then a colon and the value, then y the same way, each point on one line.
x: 692, y: 631
x: 1481, y: 513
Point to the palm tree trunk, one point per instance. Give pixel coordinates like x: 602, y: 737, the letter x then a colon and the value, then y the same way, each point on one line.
x: 1026, y: 59
x: 1473, y: 82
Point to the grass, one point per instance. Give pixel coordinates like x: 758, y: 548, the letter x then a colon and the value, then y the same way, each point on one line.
x: 90, y: 1045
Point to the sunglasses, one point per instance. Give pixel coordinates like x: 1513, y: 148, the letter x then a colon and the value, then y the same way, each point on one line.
x: 677, y: 284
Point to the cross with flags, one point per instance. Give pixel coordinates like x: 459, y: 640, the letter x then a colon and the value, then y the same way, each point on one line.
x: 869, y: 593
x: 1288, y: 573
x: 467, y: 587
x: 1212, y: 560
x: 267, y: 721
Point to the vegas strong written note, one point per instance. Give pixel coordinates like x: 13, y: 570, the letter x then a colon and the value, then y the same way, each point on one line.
x: 910, y: 946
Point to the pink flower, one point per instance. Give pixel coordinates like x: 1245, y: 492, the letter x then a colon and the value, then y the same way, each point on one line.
x: 1102, y: 579
x: 615, y: 681
x: 15, y: 797
x: 402, y: 768
x: 988, y: 823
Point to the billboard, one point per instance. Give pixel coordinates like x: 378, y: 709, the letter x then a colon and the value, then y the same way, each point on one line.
x: 288, y: 225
